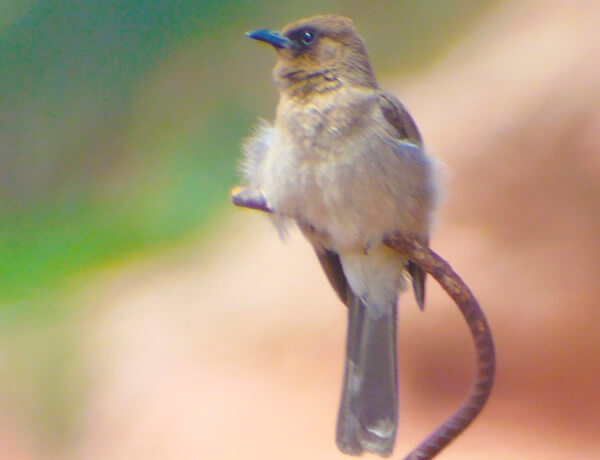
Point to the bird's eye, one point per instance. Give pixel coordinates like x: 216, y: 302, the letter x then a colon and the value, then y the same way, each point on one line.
x: 307, y: 37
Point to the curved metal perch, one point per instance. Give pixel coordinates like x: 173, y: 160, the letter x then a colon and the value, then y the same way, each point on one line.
x: 466, y: 302
x: 482, y: 336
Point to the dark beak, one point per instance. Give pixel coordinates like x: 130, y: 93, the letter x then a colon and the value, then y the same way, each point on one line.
x: 271, y: 37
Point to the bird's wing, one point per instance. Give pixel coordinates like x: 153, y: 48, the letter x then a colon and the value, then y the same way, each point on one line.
x: 332, y: 267
x: 406, y: 129
x: 397, y: 116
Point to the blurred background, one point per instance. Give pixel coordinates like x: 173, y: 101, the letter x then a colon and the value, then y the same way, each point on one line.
x: 141, y: 316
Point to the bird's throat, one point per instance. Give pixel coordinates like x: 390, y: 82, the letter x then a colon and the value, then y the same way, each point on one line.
x: 303, y: 84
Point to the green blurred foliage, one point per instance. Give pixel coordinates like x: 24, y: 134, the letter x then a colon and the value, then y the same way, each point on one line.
x: 120, y: 126
x: 76, y: 188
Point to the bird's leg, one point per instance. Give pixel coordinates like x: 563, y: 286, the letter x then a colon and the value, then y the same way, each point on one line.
x: 467, y: 304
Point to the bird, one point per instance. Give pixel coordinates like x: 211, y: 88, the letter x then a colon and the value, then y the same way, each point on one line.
x: 345, y: 161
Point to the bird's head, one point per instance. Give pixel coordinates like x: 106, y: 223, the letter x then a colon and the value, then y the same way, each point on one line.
x: 319, y: 53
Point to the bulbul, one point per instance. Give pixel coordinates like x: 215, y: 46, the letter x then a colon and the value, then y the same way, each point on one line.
x: 345, y: 161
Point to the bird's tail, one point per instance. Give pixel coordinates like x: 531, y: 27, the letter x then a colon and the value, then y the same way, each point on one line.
x: 368, y: 414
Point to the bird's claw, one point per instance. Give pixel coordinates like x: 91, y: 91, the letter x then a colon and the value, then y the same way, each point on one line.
x: 248, y: 198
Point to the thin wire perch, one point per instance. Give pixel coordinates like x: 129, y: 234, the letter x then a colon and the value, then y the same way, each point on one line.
x: 470, y: 309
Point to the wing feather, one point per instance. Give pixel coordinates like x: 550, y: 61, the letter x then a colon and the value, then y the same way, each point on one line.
x: 406, y: 128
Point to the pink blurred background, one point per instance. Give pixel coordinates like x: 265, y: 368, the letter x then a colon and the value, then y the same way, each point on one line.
x: 232, y: 348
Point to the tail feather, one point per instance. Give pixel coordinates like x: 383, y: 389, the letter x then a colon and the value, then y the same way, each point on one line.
x: 348, y: 425
x: 368, y: 415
